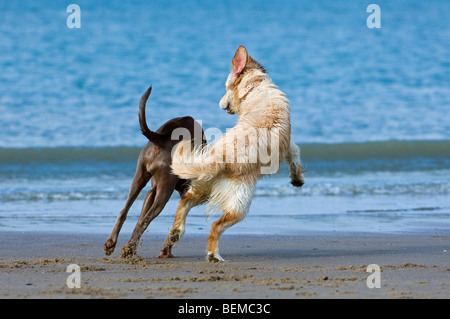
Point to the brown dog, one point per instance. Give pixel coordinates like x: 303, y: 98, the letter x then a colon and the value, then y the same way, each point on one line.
x: 154, y: 163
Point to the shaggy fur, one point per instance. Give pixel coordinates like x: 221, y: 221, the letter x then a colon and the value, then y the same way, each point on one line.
x: 225, y: 173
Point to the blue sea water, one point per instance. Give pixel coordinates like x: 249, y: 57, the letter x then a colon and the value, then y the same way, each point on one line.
x: 369, y: 108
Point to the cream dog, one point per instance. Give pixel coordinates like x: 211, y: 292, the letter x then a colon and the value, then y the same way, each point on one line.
x: 225, y: 173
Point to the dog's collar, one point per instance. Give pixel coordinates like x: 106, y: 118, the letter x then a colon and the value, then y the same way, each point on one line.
x: 248, y: 88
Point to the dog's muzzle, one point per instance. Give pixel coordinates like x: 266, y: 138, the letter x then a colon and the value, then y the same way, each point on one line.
x: 229, y: 111
x: 226, y: 107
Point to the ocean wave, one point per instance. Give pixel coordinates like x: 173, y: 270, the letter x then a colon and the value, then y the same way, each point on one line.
x: 280, y: 190
x: 433, y: 149
x: 330, y: 189
x: 392, y: 149
x: 66, y: 155
x: 54, y: 196
x: 392, y: 211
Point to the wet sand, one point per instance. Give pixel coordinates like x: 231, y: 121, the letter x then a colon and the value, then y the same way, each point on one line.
x: 333, y: 265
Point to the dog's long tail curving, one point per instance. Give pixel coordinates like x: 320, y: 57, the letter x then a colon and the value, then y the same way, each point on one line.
x: 194, y: 164
x: 152, y: 136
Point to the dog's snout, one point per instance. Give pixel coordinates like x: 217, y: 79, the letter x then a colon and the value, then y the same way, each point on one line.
x: 228, y: 108
x: 224, y: 102
x: 225, y: 105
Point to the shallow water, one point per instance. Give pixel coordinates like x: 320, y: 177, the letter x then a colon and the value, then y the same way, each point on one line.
x: 369, y: 108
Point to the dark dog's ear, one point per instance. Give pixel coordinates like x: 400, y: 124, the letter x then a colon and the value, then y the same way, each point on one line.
x: 239, y: 61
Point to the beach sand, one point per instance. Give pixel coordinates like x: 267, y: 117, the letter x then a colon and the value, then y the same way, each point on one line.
x: 333, y: 265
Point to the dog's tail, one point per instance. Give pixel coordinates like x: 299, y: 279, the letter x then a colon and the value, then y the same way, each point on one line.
x: 152, y: 136
x: 194, y: 164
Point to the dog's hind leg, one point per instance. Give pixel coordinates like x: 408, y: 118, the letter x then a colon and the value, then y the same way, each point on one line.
x: 154, y: 203
x: 184, y: 206
x: 140, y: 179
x: 227, y: 220
x: 234, y: 198
x: 187, y: 201
x: 295, y: 165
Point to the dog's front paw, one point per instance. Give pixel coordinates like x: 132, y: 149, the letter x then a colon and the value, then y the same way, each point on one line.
x: 297, y: 182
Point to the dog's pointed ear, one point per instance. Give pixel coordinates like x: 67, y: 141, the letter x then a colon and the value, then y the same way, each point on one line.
x: 239, y: 61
